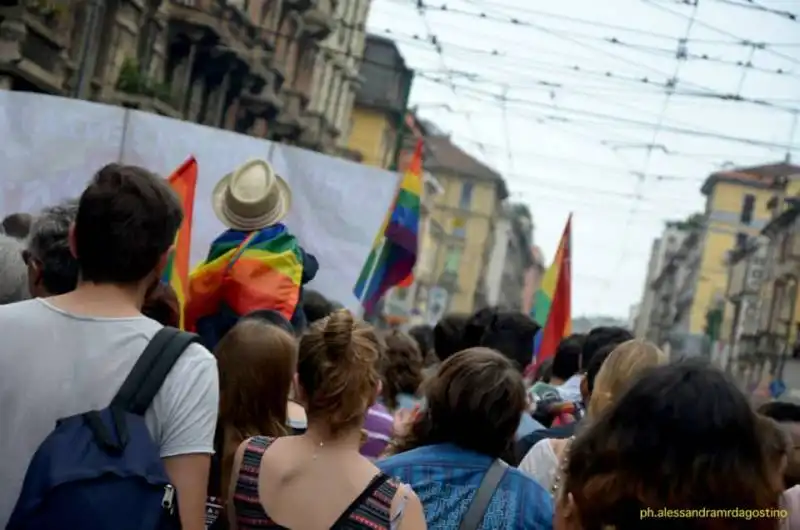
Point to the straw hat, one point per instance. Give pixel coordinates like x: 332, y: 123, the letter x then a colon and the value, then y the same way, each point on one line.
x: 252, y: 197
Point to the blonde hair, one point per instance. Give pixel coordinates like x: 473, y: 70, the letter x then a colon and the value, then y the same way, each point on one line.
x: 618, y: 371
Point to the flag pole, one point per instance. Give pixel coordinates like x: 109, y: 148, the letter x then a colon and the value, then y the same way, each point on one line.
x: 372, y: 270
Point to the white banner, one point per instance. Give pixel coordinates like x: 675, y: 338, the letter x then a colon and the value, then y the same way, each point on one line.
x: 52, y: 146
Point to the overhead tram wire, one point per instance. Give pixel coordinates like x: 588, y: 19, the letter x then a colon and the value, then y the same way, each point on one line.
x: 608, y: 76
x: 594, y: 24
x: 680, y: 57
x: 763, y: 46
x: 560, y: 35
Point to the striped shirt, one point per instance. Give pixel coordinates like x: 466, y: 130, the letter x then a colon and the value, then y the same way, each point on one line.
x: 378, y: 425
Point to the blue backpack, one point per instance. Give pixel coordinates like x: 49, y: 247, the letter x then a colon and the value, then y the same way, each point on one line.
x: 101, y: 470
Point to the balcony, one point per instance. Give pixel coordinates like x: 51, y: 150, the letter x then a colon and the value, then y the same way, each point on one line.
x: 197, y: 18
x: 133, y: 89
x: 315, y: 126
x: 298, y: 5
x: 319, y: 21
x: 33, y: 37
x: 289, y: 123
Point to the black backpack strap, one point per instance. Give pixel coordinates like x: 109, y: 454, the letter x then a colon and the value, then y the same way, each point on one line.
x: 148, y: 374
x: 480, y: 502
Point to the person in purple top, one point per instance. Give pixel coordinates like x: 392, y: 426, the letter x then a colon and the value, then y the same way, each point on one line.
x: 378, y: 427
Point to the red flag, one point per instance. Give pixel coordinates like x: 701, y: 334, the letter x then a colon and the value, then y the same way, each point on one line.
x: 559, y: 320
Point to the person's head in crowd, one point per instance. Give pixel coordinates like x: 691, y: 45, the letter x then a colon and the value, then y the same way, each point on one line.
x: 509, y: 332
x: 776, y: 445
x: 126, y: 223
x: 567, y: 359
x: 315, y: 306
x: 473, y: 401
x: 257, y: 362
x: 272, y: 317
x: 401, y: 368
x: 788, y: 416
x: 589, y: 378
x: 52, y: 269
x: 161, y: 304
x: 337, y: 374
x: 17, y: 225
x: 448, y: 335
x: 683, y: 436
x: 544, y: 372
x: 599, y: 337
x: 423, y: 335
x: 623, y: 365
x: 13, y: 273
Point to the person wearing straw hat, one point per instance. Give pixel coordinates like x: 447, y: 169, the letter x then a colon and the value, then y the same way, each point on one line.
x: 256, y: 264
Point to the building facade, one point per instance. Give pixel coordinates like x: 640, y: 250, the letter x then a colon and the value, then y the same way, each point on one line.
x: 467, y: 211
x: 533, y: 279
x: 662, y: 250
x: 379, y: 113
x: 510, y: 258
x: 258, y: 67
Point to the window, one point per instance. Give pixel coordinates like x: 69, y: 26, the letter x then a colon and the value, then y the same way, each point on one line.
x: 741, y: 240
x: 452, y: 260
x: 465, y: 201
x: 459, y: 227
x: 748, y: 203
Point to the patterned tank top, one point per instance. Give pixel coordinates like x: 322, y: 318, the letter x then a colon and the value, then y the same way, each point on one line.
x: 369, y: 511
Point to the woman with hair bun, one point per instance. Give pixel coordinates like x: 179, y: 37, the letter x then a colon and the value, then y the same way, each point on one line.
x: 319, y: 480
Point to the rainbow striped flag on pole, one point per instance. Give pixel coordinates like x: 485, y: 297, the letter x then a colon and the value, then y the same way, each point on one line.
x: 394, y: 252
x: 176, y: 274
x: 551, y: 308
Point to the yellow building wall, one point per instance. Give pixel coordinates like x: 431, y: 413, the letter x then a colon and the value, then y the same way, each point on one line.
x: 720, y: 238
x: 371, y: 134
x: 478, y: 224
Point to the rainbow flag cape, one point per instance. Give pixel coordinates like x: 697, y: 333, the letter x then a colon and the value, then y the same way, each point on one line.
x: 553, y: 299
x: 176, y: 274
x: 247, y: 271
x: 394, y: 252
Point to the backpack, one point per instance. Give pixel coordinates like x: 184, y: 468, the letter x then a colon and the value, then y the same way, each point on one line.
x: 101, y: 469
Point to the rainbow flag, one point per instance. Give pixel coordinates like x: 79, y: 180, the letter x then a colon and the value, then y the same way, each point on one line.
x: 394, y: 252
x: 176, y: 273
x: 552, y: 301
x: 245, y: 272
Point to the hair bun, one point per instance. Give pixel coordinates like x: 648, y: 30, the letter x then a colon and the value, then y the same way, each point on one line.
x: 338, y: 334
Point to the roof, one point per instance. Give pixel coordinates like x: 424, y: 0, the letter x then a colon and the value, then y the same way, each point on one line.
x: 765, y: 176
x: 446, y: 156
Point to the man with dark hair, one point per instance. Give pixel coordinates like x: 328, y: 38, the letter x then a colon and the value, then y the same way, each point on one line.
x: 315, y: 306
x: 17, y: 225
x: 509, y: 332
x: 788, y: 416
x: 598, y: 355
x: 566, y: 367
x: 69, y: 354
x: 52, y: 269
x: 600, y: 337
x: 448, y: 336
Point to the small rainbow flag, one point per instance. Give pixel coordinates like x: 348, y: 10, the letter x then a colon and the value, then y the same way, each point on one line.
x: 394, y: 252
x: 245, y: 272
x: 552, y: 301
x: 176, y: 274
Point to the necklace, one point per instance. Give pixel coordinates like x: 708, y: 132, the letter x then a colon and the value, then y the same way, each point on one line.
x: 562, y: 467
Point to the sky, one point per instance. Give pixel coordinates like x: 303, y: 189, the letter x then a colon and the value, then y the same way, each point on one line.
x: 569, y: 102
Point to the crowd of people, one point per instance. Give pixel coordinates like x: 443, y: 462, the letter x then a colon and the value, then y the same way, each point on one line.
x: 321, y: 421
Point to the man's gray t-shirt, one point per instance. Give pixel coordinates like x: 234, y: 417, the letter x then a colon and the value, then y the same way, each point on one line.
x: 54, y: 364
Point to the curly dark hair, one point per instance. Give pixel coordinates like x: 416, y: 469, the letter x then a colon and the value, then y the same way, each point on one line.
x: 682, y: 437
x: 508, y: 332
x: 474, y: 401
x: 402, y: 365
